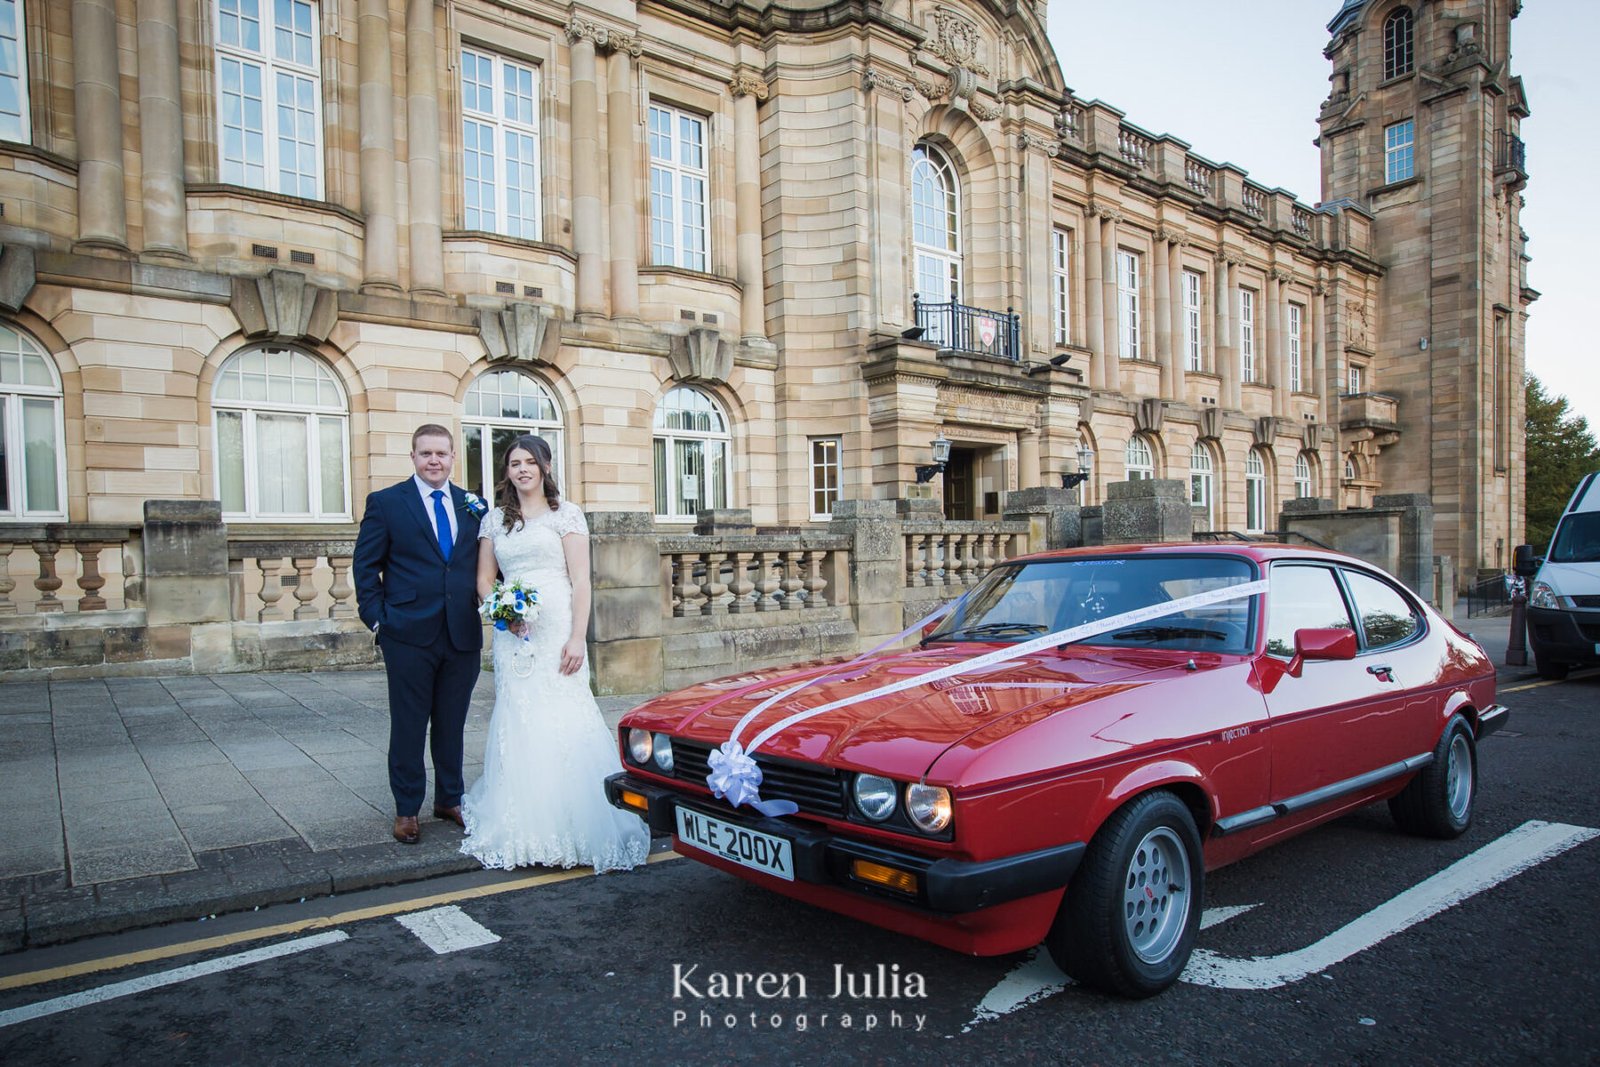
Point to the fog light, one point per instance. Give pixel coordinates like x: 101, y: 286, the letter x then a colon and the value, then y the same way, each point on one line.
x: 888, y: 877
x: 639, y: 745
x: 636, y: 801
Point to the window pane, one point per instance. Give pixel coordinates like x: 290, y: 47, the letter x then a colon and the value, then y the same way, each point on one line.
x: 331, y: 463
x: 501, y: 439
x: 230, y: 460
x: 1386, y: 617
x: 716, y: 478
x: 1302, y: 598
x: 41, y: 454
x: 662, y: 474
x: 282, y: 465
x: 474, y: 476
x: 5, y: 460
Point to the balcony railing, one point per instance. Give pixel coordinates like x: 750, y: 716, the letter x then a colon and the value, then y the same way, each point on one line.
x: 960, y: 328
x: 1512, y: 154
x: 1375, y: 410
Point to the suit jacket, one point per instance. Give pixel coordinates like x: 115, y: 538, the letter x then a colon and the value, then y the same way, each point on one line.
x: 404, y: 585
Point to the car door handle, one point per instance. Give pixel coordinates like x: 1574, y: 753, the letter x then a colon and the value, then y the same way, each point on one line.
x: 1382, y: 672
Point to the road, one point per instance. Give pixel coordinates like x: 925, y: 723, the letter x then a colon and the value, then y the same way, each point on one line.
x: 645, y: 966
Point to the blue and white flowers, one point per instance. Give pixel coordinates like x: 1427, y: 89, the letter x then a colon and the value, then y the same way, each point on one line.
x: 474, y: 503
x: 508, y: 603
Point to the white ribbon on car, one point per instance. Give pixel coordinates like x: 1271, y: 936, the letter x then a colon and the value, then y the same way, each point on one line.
x: 736, y: 777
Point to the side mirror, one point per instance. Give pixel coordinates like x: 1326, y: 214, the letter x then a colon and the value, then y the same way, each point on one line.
x: 1524, y: 564
x: 1318, y: 644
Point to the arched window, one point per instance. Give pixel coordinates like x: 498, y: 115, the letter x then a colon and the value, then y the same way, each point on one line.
x: 1350, y: 468
x: 1140, y: 461
x: 936, y: 231
x: 691, y: 455
x: 1397, y: 50
x: 1202, y: 478
x: 1255, y: 493
x: 501, y: 406
x: 1303, y: 481
x: 282, y: 438
x: 33, y: 480
x: 269, y: 90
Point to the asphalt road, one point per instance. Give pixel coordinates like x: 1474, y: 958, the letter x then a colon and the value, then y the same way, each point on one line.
x: 584, y: 968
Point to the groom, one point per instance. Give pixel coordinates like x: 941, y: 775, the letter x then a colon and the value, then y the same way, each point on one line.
x: 415, y: 569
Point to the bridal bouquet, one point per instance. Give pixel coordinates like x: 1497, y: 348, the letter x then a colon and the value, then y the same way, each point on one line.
x: 510, y: 602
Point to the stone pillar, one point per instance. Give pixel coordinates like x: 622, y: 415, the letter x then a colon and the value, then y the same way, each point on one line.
x: 877, y: 566
x: 1270, y: 318
x: 748, y: 90
x: 1165, y: 346
x: 1094, y: 312
x: 166, y: 214
x: 1227, y: 350
x: 1319, y: 350
x: 1180, y: 326
x: 97, y: 111
x: 380, y: 261
x: 625, y: 647
x: 185, y: 562
x: 1028, y: 472
x: 1282, y: 385
x: 621, y: 141
x: 1151, y: 509
x: 1113, y: 327
x: 424, y: 143
x: 1053, y: 516
x: 586, y: 208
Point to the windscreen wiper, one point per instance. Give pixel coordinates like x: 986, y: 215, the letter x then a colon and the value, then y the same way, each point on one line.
x: 993, y: 629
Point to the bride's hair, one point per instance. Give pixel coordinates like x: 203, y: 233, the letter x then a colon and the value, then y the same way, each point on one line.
x: 506, y: 493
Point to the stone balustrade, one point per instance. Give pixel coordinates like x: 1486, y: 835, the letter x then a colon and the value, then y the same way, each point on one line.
x: 1255, y: 201
x: 275, y: 581
x: 1199, y: 176
x: 960, y: 553
x: 737, y: 576
x: 100, y: 560
x: 1134, y: 147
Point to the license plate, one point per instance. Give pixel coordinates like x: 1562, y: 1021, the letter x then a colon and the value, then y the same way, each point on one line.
x: 748, y: 848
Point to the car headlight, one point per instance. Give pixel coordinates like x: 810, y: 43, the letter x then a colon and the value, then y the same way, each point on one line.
x: 1543, y: 596
x: 639, y: 744
x: 663, y: 753
x: 928, y: 806
x: 875, y: 796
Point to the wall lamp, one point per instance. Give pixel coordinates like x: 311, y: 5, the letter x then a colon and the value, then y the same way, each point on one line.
x: 941, y: 456
x: 1069, y: 479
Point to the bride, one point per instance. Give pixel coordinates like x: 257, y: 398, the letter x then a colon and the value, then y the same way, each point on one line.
x: 541, y: 798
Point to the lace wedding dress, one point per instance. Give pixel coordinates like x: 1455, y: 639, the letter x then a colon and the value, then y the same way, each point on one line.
x: 540, y: 800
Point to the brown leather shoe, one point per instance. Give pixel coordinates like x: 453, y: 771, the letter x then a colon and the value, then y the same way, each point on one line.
x: 405, y: 829
x: 450, y: 814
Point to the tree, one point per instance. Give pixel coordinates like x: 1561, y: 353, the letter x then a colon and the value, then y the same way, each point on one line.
x: 1560, y: 451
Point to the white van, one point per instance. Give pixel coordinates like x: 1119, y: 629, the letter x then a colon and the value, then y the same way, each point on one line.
x: 1564, y: 599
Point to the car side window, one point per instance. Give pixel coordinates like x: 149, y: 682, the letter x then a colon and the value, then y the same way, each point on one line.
x: 1387, y: 617
x: 1301, y: 597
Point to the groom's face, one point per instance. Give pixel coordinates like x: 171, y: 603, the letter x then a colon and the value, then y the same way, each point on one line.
x: 433, y: 458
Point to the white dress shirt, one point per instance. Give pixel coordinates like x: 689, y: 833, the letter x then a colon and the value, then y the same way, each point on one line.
x: 449, y: 508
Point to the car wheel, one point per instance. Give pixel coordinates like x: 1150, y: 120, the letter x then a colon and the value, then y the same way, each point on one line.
x: 1550, y: 671
x: 1132, y: 910
x: 1438, y: 801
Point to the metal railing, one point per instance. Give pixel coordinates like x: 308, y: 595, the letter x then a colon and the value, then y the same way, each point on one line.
x: 962, y: 328
x: 1512, y: 154
x: 1492, y: 596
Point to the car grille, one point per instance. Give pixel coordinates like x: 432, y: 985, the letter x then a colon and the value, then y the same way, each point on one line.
x: 818, y: 790
x: 1586, y: 601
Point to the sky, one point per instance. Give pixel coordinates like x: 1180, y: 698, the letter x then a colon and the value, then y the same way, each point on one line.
x: 1241, y: 81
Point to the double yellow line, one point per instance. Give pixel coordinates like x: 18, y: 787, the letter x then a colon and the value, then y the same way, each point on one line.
x: 377, y: 911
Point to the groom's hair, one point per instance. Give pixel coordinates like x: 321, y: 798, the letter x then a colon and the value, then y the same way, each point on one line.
x: 432, y: 429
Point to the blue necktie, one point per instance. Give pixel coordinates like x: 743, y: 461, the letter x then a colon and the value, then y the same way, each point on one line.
x: 441, y: 519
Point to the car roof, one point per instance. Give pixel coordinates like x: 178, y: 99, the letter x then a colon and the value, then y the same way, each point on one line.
x: 1259, y: 551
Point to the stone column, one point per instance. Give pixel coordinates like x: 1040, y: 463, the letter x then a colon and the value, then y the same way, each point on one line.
x: 166, y: 215
x: 625, y: 627
x: 97, y: 111
x: 748, y: 91
x: 1094, y: 312
x: 621, y: 142
x: 1113, y: 327
x: 1165, y: 341
x: 1282, y: 384
x: 380, y: 261
x: 424, y: 143
x: 1319, y: 351
x: 1180, y: 325
x: 1028, y: 473
x: 1227, y: 351
x: 1273, y: 299
x: 587, y: 211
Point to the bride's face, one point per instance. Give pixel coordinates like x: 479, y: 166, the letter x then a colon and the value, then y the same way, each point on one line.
x: 522, y: 470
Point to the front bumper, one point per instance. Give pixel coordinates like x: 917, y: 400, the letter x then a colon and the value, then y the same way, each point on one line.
x: 1561, y: 636
x: 821, y: 857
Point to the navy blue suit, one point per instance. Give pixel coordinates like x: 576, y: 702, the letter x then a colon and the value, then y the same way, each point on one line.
x: 424, y: 608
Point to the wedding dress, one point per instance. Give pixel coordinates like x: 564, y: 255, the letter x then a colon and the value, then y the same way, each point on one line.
x: 541, y: 799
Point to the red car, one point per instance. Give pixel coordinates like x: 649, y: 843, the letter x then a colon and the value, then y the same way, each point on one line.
x: 1064, y: 754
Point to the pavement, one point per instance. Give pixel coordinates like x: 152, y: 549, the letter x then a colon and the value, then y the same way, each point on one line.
x: 133, y: 802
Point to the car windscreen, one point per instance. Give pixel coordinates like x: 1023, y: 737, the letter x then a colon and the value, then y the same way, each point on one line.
x: 1577, y: 539
x: 1021, y: 601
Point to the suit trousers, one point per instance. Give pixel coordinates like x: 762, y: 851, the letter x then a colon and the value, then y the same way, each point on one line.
x: 429, y: 686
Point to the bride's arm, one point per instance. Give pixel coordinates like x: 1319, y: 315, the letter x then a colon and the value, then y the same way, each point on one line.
x: 576, y: 548
x: 487, y: 568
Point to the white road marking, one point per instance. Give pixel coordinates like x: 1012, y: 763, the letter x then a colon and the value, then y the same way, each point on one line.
x: 1217, y: 916
x: 166, y: 978
x: 1528, y: 845
x: 447, y: 929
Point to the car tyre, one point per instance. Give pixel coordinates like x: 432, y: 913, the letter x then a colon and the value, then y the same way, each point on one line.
x: 1549, y: 670
x: 1438, y: 801
x: 1132, y: 909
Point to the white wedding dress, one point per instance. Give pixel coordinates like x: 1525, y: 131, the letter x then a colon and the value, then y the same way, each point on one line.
x: 541, y: 799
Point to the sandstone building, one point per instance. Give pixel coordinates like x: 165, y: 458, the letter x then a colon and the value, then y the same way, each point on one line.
x: 752, y: 255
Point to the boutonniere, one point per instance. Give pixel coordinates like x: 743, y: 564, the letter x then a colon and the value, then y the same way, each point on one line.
x: 474, y: 504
